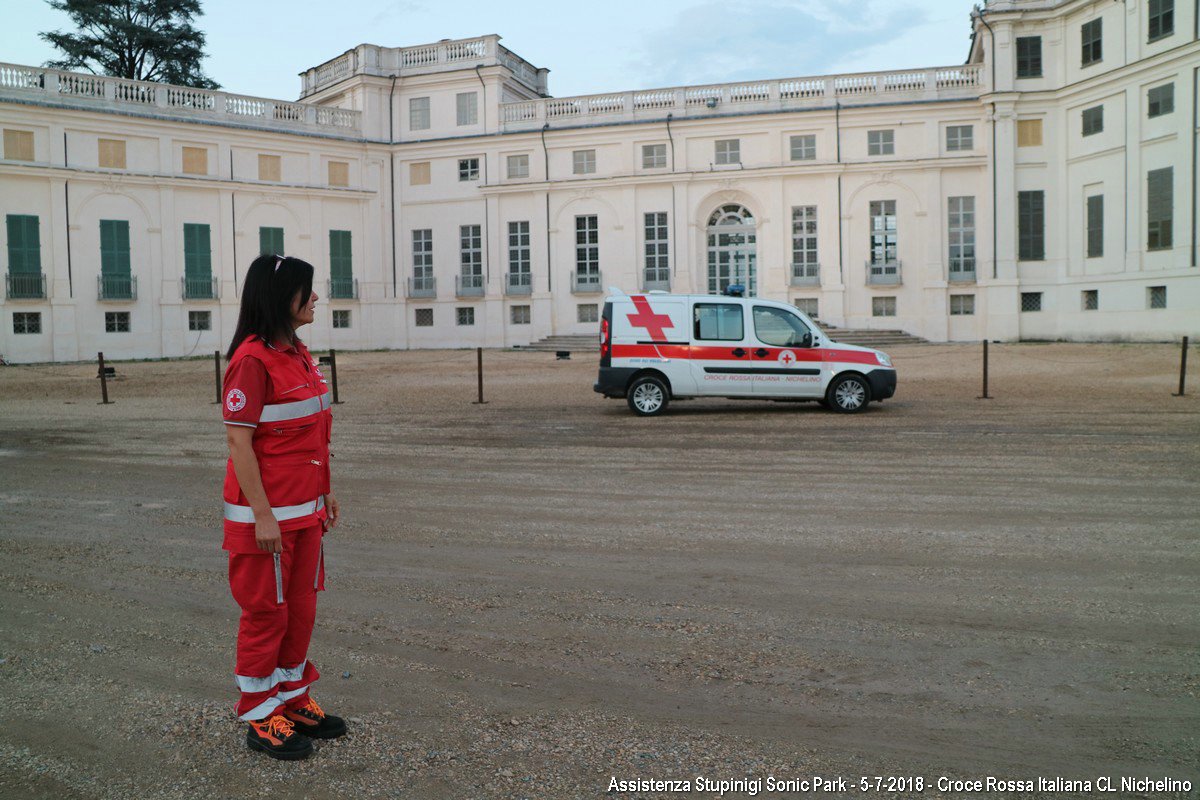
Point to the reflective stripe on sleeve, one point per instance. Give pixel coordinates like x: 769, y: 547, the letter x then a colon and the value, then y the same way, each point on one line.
x: 236, y: 513
x: 281, y: 412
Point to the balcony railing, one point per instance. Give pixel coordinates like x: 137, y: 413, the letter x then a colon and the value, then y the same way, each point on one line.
x: 422, y: 286
x: 116, y: 287
x: 883, y: 273
x: 518, y: 283
x: 468, y: 286
x: 585, y: 282
x: 806, y: 274
x: 937, y: 83
x: 962, y: 271
x: 199, y: 288
x: 184, y: 102
x: 343, y: 288
x: 25, y: 285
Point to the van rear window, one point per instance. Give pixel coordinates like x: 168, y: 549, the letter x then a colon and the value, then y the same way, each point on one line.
x: 719, y: 322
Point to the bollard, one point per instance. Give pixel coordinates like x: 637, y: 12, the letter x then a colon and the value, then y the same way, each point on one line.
x: 103, y: 380
x: 479, y: 373
x: 217, y: 367
x: 1182, y: 367
x: 333, y: 374
x: 985, y: 396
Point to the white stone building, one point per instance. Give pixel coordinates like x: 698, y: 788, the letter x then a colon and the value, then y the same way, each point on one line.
x: 1044, y: 189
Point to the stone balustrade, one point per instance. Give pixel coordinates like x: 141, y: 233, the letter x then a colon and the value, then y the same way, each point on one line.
x: 369, y: 59
x: 938, y: 83
x: 103, y: 92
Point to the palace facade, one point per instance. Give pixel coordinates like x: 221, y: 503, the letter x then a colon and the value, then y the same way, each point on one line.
x: 1044, y: 189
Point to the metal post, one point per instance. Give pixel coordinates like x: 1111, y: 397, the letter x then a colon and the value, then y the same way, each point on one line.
x: 1182, y: 366
x: 333, y: 373
x: 103, y: 380
x: 985, y: 396
x: 217, y: 368
x: 479, y: 373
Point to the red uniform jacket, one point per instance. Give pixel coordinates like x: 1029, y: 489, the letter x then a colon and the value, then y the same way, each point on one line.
x: 281, y: 393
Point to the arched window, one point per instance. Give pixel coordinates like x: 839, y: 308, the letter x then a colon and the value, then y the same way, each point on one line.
x: 732, y: 255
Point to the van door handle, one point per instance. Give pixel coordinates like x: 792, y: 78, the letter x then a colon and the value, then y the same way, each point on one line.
x: 739, y: 352
x: 761, y: 353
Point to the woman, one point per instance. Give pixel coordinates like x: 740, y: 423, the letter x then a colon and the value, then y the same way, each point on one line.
x: 277, y: 506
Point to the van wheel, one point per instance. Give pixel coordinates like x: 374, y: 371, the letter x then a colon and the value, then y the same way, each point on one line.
x: 848, y: 394
x: 647, y: 396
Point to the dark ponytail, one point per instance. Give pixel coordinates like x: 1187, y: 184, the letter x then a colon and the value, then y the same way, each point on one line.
x: 268, y: 299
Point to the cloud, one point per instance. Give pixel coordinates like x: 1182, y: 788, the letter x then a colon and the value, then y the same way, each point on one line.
x: 714, y: 42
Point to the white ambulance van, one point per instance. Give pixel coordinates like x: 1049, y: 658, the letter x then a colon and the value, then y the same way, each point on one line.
x: 656, y: 347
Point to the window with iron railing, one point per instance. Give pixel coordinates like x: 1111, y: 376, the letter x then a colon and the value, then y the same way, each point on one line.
x: 25, y: 280
x: 116, y: 281
x: 341, y: 266
x: 197, y: 262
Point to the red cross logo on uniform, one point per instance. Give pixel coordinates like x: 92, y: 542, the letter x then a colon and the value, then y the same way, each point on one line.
x: 655, y: 324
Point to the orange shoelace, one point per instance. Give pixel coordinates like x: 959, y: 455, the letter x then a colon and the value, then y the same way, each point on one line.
x: 276, y: 725
x: 312, y: 706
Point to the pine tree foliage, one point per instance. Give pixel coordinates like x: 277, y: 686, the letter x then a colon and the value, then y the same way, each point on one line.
x: 145, y: 40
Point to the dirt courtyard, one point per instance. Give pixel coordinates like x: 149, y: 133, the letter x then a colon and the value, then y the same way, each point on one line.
x: 532, y: 597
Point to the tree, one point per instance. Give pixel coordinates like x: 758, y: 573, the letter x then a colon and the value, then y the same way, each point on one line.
x: 144, y: 40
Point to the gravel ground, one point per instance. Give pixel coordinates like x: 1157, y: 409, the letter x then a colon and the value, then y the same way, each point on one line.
x: 531, y: 597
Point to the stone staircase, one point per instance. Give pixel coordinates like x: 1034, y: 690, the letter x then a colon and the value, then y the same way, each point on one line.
x: 870, y: 338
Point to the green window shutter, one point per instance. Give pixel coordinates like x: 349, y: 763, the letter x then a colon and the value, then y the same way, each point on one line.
x: 197, y: 253
x: 270, y: 241
x: 340, y: 265
x: 114, y: 247
x: 24, y: 246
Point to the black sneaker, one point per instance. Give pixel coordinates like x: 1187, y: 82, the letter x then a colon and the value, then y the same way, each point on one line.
x: 278, y: 738
x: 314, y: 723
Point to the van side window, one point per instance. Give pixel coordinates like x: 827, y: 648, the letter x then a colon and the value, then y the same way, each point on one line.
x: 779, y: 328
x: 719, y: 322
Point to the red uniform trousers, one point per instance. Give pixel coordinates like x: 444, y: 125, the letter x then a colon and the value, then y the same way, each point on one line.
x: 278, y: 597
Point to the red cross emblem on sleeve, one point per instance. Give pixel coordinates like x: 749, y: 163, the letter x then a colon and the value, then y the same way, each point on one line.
x: 655, y: 324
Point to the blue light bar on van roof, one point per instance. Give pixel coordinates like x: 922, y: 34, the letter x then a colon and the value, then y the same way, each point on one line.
x: 735, y: 290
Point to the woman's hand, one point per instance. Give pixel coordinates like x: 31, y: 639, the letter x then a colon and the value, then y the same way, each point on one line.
x: 331, y: 509
x: 266, y: 534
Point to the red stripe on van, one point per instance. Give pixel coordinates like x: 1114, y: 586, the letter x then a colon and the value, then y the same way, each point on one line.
x: 725, y: 353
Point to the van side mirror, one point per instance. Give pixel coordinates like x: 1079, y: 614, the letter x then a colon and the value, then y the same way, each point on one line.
x: 807, y: 339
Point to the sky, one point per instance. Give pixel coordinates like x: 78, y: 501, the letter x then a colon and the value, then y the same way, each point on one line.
x: 258, y: 47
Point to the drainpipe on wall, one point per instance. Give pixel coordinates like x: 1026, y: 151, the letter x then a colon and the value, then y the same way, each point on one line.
x: 233, y: 223
x: 67, y: 204
x: 392, y: 177
x: 546, y: 158
x: 487, y: 262
x: 674, y: 230
x: 995, y: 195
x: 837, y: 126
